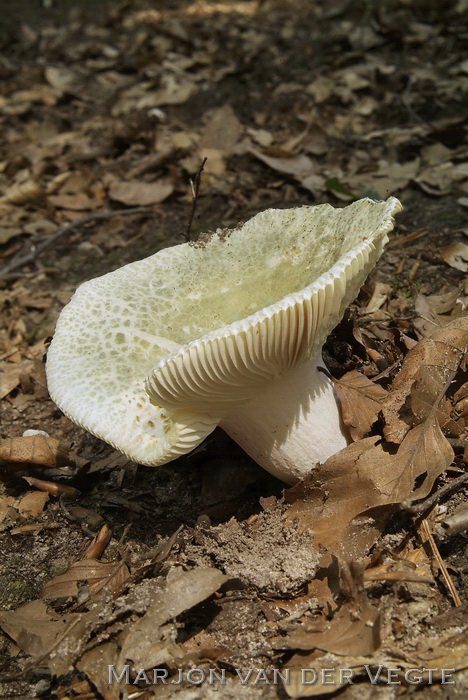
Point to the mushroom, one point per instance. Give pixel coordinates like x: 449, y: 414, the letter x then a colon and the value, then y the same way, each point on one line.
x: 225, y: 331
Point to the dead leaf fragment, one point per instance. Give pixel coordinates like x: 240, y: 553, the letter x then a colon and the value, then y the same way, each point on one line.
x: 96, y: 663
x: 350, y: 631
x: 99, y: 543
x: 428, y: 367
x: 135, y: 193
x: 61, y: 78
x: 379, y: 297
x: 361, y: 400
x: 321, y: 89
x: 180, y: 593
x: 32, y: 504
x: 36, y: 449
x: 436, y: 311
x: 7, y: 510
x: 366, y: 479
x: 338, y: 493
x: 443, y: 303
x: 96, y: 573
x: 76, y: 202
x: 439, y: 179
x: 424, y: 453
x: 387, y: 179
x: 298, y: 166
x: 32, y: 627
x: 456, y: 255
x: 219, y: 138
x: 9, y: 232
x: 10, y: 374
x: 23, y: 192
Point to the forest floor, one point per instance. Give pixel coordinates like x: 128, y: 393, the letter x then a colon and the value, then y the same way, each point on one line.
x: 209, y: 563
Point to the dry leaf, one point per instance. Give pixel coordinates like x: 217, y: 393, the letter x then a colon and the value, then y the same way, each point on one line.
x: 451, y: 653
x: 382, y: 573
x: 179, y: 593
x: 96, y: 573
x: 34, y: 528
x: 36, y: 449
x: 9, y: 232
x: 310, y: 682
x: 7, y: 504
x: 153, y: 160
x: 456, y: 255
x: 361, y: 401
x: 22, y: 192
x: 32, y: 504
x: 353, y: 630
x: 387, y: 179
x: 262, y: 137
x: 219, y: 138
x: 135, y: 193
x: 338, y: 494
x: 442, y: 303
x: 432, y: 312
x: 321, y: 88
x: 427, y: 369
x: 298, y: 166
x: 96, y: 663
x: 363, y: 476
x: 379, y: 297
x: 460, y: 399
x: 438, y: 179
x: 174, y: 90
x: 99, y: 543
x: 32, y: 627
x: 63, y: 79
x: 76, y: 202
x: 10, y: 374
x: 410, y: 565
x: 424, y: 452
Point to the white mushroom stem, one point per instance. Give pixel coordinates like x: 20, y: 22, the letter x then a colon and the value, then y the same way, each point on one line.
x: 293, y: 425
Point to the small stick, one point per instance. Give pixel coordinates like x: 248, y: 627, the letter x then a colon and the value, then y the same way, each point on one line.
x: 435, y: 498
x: 426, y: 535
x: 454, y: 524
x: 37, y: 250
x: 195, y: 187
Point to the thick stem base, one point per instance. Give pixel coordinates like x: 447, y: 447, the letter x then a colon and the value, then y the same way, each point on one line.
x: 293, y: 425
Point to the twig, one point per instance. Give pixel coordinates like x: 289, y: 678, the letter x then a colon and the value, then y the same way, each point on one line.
x: 426, y: 535
x: 454, y: 524
x: 435, y: 498
x: 97, y: 216
x: 195, y: 187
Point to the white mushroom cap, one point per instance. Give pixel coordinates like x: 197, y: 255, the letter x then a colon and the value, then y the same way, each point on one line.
x: 152, y: 357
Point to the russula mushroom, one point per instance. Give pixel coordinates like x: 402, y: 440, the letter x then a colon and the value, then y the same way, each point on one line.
x: 226, y: 331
